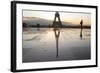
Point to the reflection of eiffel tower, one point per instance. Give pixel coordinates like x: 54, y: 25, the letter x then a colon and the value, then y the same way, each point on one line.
x: 57, y: 23
x: 57, y: 34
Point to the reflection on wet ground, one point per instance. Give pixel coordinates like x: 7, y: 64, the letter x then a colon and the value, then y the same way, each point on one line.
x: 55, y: 44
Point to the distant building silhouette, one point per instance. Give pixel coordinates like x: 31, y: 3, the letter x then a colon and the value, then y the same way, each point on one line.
x: 25, y: 25
x: 49, y: 25
x: 38, y: 26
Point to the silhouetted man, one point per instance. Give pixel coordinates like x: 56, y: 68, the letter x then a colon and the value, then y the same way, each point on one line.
x: 81, y: 23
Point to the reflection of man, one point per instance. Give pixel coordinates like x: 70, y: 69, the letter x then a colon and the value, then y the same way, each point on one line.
x: 57, y: 34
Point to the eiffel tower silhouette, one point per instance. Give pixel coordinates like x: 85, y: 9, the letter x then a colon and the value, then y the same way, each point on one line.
x: 57, y: 23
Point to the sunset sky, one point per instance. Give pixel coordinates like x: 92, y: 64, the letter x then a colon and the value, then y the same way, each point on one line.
x: 72, y: 17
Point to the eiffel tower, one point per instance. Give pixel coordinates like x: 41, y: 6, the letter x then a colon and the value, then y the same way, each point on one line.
x: 57, y: 23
